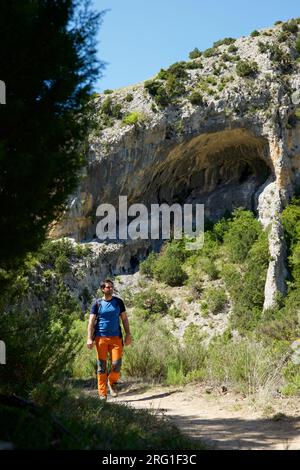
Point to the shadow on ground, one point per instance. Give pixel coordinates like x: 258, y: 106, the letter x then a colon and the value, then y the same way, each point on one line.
x: 238, y: 433
x: 151, y: 397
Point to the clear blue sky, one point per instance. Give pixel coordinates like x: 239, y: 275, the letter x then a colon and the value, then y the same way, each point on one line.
x: 138, y: 37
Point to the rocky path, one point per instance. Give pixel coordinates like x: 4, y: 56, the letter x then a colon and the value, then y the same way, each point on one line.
x: 222, y: 419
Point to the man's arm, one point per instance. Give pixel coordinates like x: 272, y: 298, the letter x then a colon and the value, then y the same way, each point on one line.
x: 90, y: 332
x: 125, y: 322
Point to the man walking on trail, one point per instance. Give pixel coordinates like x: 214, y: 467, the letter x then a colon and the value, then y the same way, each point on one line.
x: 104, y: 324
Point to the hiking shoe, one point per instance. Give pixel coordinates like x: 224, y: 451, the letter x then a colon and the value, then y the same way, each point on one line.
x: 103, y: 397
x: 112, y: 389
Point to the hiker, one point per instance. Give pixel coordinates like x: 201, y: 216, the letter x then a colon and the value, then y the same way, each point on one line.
x: 104, y: 327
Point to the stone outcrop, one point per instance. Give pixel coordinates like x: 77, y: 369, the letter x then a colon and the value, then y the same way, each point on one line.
x: 239, y: 146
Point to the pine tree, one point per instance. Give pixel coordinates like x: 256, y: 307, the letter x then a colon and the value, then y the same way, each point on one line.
x: 48, y: 64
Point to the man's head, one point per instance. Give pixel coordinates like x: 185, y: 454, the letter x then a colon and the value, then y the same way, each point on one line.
x: 107, y: 286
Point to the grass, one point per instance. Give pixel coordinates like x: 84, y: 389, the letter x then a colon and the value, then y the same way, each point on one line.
x: 246, y: 364
x: 86, y: 423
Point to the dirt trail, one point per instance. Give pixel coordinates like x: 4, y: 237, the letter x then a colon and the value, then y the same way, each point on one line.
x: 222, y: 420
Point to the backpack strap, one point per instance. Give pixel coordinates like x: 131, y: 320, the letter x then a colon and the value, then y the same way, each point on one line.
x: 97, y: 318
x: 98, y: 309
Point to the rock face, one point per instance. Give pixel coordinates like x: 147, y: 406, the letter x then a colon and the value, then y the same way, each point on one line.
x: 238, y: 146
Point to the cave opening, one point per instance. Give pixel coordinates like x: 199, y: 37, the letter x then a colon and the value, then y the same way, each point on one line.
x: 221, y: 170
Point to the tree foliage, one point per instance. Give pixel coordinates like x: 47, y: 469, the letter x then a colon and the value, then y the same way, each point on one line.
x: 48, y: 65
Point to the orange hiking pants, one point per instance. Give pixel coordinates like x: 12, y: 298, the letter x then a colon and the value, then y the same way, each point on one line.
x: 113, y: 346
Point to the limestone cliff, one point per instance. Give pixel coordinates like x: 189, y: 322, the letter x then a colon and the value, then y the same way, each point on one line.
x: 221, y: 129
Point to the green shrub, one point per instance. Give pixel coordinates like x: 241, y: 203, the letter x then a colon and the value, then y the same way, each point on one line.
x: 226, y: 41
x: 290, y: 26
x: 211, y: 80
x: 169, y: 270
x: 157, y: 90
x: 196, y: 64
x: 157, y: 354
x: 162, y: 99
x: 257, y: 262
x: 166, y: 267
x: 152, y: 302
x: 162, y: 74
x: 195, y: 283
x: 248, y: 300
x: 116, y: 111
x: 175, y: 375
x: 232, y: 49
x: 280, y: 57
x: 209, y: 267
x: 106, y: 107
x: 192, y: 334
x: 41, y: 344
x: 109, y: 109
x: 174, y: 86
x: 204, y: 82
x: 82, y: 250
x: 193, y: 352
x: 84, y: 363
x: 292, y: 380
x: 62, y: 265
x: 152, y: 86
x: 178, y: 70
x: 215, y: 299
x: 146, y: 266
x: 195, y: 53
x: 210, y: 52
x: 176, y: 249
x: 291, y: 221
x: 132, y: 118
x: 242, y: 232
x: 175, y: 312
x: 282, y: 323
x: 210, y: 247
x: 147, y: 357
x: 48, y: 274
x: 107, y: 92
x: 227, y: 58
x: 255, y: 33
x: 291, y: 224
x: 245, y: 260
x: 246, y: 68
x: 129, y: 97
x: 283, y: 37
x: 221, y: 227
x: 217, y: 70
x: 232, y: 279
x: 51, y: 250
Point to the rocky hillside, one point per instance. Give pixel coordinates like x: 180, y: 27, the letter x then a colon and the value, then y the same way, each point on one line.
x: 221, y: 129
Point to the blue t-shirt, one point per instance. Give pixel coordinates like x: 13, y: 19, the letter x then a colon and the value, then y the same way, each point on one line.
x: 108, y: 313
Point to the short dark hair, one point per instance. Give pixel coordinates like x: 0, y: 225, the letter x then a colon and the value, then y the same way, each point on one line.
x: 102, y: 285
